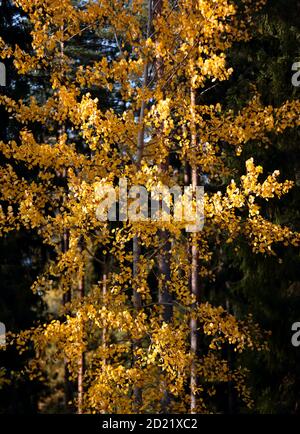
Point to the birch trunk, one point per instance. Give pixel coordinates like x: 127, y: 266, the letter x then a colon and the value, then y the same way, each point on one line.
x: 194, y: 273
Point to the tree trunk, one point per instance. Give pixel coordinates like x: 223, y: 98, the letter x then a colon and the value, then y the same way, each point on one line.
x: 136, y: 249
x: 67, y: 296
x: 194, y: 273
x: 137, y: 301
x: 80, y: 373
x: 104, y: 291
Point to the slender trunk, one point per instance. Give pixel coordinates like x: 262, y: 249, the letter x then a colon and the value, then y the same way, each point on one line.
x: 194, y: 324
x: 104, y: 330
x: 80, y: 373
x: 164, y: 296
x: 136, y: 250
x: 195, y: 291
x: 165, y: 299
x: 230, y: 389
x: 137, y: 301
x: 67, y: 296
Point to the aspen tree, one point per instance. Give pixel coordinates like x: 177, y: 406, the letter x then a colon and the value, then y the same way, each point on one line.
x: 117, y: 321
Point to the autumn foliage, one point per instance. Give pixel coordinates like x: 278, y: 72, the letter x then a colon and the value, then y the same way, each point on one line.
x: 131, y: 325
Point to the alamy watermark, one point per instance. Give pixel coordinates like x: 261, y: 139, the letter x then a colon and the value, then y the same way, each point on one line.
x: 2, y: 74
x: 296, y: 76
x: 2, y: 334
x: 161, y: 203
x: 296, y: 336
